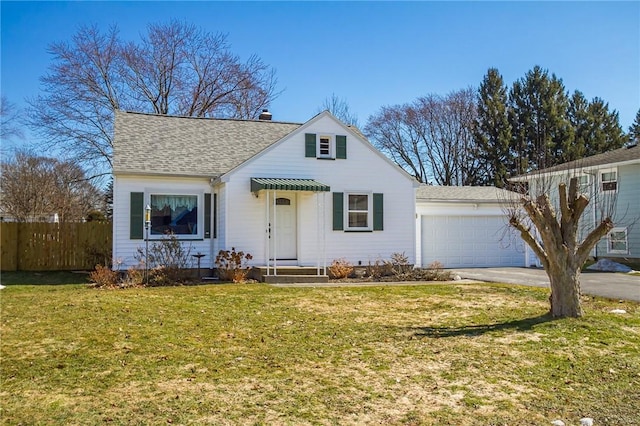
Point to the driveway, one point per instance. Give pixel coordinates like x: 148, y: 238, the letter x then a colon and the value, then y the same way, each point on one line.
x: 613, y: 285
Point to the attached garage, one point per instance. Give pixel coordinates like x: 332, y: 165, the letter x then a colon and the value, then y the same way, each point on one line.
x: 465, y: 227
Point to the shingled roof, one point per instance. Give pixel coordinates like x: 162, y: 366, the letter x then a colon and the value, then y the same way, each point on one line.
x: 186, y: 146
x: 464, y: 194
x: 621, y: 155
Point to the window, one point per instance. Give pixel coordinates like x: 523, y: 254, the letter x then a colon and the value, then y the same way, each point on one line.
x: 358, y: 211
x: 609, y: 180
x: 176, y: 214
x: 325, y: 147
x: 618, y: 241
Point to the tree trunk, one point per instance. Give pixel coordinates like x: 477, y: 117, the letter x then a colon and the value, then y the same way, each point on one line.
x: 565, y: 291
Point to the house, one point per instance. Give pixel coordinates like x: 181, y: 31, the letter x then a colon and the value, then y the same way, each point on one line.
x: 289, y: 194
x: 466, y: 226
x: 611, y: 180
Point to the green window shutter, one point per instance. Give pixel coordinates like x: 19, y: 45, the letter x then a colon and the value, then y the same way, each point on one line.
x: 136, y: 216
x: 378, y: 212
x: 310, y: 145
x: 215, y: 215
x: 207, y: 215
x: 341, y: 147
x: 338, y: 211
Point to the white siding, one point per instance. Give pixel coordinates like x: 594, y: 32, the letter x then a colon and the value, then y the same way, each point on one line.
x: 124, y: 249
x: 363, y: 170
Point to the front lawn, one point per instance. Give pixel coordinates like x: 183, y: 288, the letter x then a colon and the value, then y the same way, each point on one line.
x: 254, y: 354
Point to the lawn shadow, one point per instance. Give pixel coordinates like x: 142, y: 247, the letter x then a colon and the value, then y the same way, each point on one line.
x: 44, y: 278
x: 525, y: 324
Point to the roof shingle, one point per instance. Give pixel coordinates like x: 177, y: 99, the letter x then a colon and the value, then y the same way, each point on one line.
x: 162, y: 144
x: 620, y: 155
x: 479, y: 194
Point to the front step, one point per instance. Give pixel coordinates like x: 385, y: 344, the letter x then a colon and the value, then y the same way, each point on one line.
x: 290, y: 279
x: 286, y: 270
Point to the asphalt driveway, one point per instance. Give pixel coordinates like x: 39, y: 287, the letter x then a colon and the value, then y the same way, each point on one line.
x: 613, y: 285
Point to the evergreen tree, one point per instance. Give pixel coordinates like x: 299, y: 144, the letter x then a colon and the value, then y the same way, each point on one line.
x: 538, y: 117
x: 634, y: 130
x: 596, y: 129
x: 492, y: 131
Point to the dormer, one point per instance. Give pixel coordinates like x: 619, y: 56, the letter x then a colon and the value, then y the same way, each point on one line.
x: 325, y: 146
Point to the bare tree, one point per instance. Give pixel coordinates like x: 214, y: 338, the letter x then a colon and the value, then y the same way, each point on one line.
x: 35, y: 187
x: 561, y: 233
x: 176, y: 68
x: 9, y: 127
x: 432, y: 138
x: 340, y: 108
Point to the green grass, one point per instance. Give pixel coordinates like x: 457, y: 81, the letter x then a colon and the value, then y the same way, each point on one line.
x: 255, y: 354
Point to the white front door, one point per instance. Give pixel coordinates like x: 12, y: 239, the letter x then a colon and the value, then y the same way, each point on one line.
x: 283, y: 235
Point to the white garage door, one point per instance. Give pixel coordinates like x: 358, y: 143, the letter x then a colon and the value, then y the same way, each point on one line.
x: 469, y: 241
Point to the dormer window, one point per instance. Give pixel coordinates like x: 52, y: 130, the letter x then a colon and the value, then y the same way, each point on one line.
x: 325, y: 146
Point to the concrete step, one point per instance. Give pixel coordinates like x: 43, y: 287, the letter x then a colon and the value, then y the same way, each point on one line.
x: 287, y: 270
x: 288, y: 279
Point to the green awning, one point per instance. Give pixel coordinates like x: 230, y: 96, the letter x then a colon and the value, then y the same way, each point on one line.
x: 286, y: 184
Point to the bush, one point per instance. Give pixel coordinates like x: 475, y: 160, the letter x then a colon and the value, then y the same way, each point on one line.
x: 434, y: 272
x: 340, y: 268
x: 380, y: 268
x: 400, y: 263
x: 232, y: 265
x: 169, y: 261
x: 103, y: 276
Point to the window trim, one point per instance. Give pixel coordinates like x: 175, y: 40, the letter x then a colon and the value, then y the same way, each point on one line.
x: 369, y: 211
x: 199, y: 235
x: 610, y: 241
x: 601, y: 182
x: 332, y: 146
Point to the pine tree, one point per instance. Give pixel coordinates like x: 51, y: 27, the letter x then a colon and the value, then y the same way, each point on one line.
x: 538, y: 117
x: 596, y: 129
x: 634, y: 130
x: 492, y: 131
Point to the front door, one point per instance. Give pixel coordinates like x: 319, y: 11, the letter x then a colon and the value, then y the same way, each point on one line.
x: 283, y: 235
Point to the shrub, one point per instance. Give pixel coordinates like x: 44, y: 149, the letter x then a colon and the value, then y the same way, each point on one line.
x: 232, y: 265
x: 380, y: 268
x: 400, y: 263
x: 434, y: 272
x: 169, y: 261
x: 340, y: 268
x: 134, y: 277
x: 103, y: 276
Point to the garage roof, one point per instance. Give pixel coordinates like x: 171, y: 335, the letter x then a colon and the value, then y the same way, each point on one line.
x: 462, y: 194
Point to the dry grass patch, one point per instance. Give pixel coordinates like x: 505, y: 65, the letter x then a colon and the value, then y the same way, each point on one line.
x: 254, y: 354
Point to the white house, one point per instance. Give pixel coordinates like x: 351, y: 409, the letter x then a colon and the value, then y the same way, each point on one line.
x: 288, y: 193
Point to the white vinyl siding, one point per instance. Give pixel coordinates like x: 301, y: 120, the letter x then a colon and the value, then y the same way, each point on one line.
x: 124, y: 248
x: 362, y: 169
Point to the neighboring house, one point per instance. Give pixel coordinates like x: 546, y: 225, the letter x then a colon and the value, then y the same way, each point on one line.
x: 288, y: 194
x: 466, y: 226
x: 44, y: 217
x: 611, y: 180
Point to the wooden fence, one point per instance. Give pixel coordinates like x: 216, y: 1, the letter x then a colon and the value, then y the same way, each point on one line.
x: 54, y: 246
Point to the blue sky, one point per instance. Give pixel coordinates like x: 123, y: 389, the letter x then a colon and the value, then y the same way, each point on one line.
x: 370, y: 53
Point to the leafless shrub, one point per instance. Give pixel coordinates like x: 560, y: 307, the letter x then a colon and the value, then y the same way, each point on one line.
x: 340, y: 268
x: 232, y: 265
x: 104, y: 277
